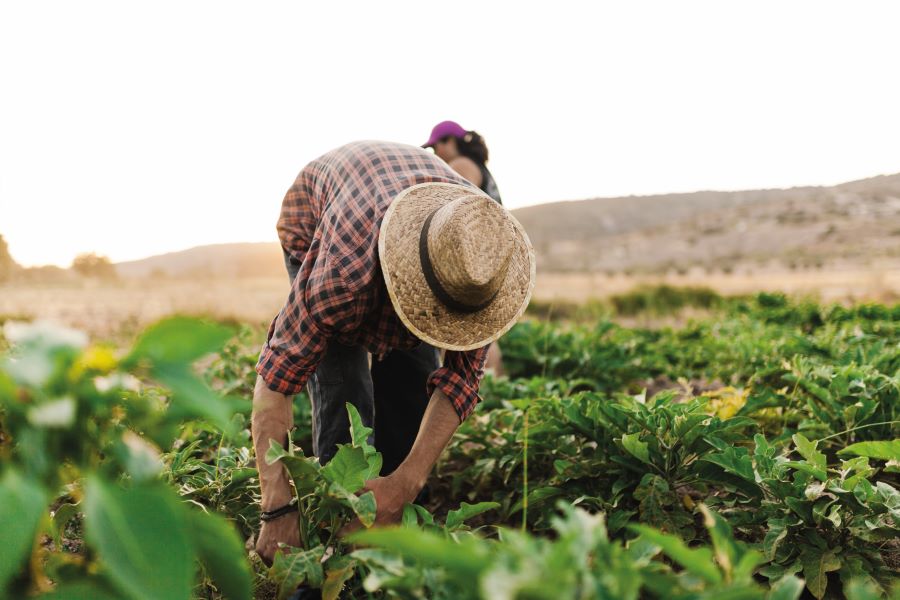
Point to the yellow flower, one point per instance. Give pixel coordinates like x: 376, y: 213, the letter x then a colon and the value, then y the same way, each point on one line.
x: 96, y: 359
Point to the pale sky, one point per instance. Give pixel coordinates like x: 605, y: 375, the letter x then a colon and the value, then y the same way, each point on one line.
x: 134, y: 129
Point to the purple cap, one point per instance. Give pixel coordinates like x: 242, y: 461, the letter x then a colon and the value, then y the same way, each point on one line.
x: 442, y: 130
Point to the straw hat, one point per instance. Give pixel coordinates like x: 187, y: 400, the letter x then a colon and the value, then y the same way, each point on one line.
x: 458, y: 266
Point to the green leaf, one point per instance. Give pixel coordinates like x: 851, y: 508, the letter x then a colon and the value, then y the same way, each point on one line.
x: 881, y: 450
x: 374, y: 461
x: 857, y: 581
x: 292, y: 567
x: 362, y: 506
x: 803, y: 508
x: 659, y: 505
x: 410, y: 517
x: 140, y: 458
x: 192, y: 399
x: 466, y: 558
x: 632, y: 443
x: 774, y: 570
x: 22, y: 503
x: 359, y: 433
x: 786, y: 588
x: 818, y: 391
x: 7, y: 385
x: 618, y: 519
x: 179, y: 341
x: 817, y: 564
x: 424, y: 516
x: 720, y: 533
x: 763, y: 455
x: 305, y: 471
x: 698, y: 561
x: 221, y: 552
x: 641, y: 551
x: 348, y: 468
x: 864, y: 588
x: 140, y: 534
x: 777, y: 532
x: 339, y: 571
x: 735, y: 461
x: 61, y: 516
x: 82, y: 590
x: 807, y: 450
x: 536, y: 497
x: 820, y: 474
x: 455, y: 518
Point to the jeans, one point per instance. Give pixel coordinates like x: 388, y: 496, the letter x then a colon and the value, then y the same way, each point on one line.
x: 390, y: 396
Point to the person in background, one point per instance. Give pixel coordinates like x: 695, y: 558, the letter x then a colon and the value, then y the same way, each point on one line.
x: 467, y: 154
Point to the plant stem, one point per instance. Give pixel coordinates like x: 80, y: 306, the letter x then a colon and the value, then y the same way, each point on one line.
x: 857, y: 428
x: 525, y: 478
x: 219, y: 455
x: 301, y: 524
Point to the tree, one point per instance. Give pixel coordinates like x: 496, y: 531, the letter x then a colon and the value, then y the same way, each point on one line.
x: 90, y: 264
x: 7, y: 264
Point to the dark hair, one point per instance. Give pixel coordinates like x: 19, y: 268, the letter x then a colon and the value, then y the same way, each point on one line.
x: 473, y: 146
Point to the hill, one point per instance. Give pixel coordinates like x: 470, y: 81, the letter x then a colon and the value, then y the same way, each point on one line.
x: 855, y: 223
x: 260, y: 259
x: 805, y: 227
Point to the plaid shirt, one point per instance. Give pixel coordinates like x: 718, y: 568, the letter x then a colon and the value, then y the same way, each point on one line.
x: 329, y: 225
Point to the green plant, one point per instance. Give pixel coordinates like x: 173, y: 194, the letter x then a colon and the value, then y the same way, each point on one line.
x: 627, y: 455
x: 581, y: 561
x: 816, y: 518
x: 327, y: 502
x: 694, y: 505
x: 84, y: 435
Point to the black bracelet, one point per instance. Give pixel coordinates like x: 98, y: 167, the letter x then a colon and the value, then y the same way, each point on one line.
x: 271, y: 515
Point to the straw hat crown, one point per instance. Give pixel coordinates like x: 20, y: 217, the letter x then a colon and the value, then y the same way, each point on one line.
x: 469, y: 243
x: 458, y: 267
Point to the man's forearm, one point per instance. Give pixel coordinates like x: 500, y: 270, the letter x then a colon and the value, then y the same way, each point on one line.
x: 439, y: 423
x: 272, y: 419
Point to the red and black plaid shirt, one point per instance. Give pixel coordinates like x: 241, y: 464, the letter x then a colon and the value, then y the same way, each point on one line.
x: 329, y: 225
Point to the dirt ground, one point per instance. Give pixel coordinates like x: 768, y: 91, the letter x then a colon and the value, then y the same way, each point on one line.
x: 108, y: 309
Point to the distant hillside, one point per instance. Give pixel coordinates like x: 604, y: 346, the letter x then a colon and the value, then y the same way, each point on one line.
x: 261, y: 259
x: 805, y: 227
x: 856, y: 222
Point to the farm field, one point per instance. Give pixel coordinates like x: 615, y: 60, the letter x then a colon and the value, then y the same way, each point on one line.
x: 105, y: 308
x: 749, y: 450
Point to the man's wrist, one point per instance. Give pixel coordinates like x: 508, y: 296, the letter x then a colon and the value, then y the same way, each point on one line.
x: 409, y: 479
x: 278, y: 493
x: 271, y: 515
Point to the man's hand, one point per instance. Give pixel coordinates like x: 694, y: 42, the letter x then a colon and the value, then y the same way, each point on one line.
x: 402, y: 486
x: 283, y: 530
x: 391, y: 494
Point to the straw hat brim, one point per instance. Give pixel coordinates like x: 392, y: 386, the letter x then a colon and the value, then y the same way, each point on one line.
x: 414, y: 302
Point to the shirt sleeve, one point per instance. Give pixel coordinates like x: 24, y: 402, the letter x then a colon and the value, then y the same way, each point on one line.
x: 459, y: 379
x: 298, y: 219
x: 318, y: 307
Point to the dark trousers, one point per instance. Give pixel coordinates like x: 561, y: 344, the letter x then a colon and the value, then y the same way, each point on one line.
x: 390, y: 396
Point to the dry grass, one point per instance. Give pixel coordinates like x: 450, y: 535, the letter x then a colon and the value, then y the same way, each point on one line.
x: 846, y: 285
x: 108, y: 310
